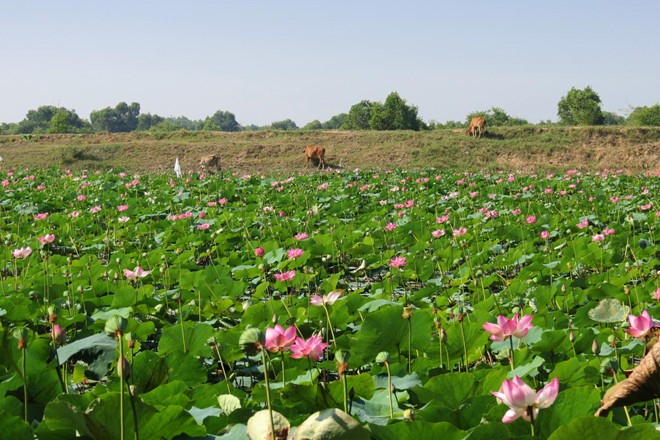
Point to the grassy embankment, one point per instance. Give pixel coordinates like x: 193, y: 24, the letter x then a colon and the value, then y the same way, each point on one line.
x: 527, y: 149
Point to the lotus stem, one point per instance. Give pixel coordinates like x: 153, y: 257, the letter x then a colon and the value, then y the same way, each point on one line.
x: 270, y: 409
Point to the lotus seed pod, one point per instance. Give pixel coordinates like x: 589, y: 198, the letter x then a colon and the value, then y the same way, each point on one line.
x: 331, y: 424
x: 258, y: 426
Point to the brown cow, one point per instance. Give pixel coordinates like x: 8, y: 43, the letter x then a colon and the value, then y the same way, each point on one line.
x: 477, y: 127
x: 316, y: 152
x: 210, y: 163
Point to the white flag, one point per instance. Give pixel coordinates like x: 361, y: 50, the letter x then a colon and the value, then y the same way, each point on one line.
x: 177, y: 168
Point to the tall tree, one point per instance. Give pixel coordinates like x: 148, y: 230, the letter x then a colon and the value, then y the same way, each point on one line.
x: 645, y: 116
x: 123, y: 118
x: 286, y: 124
x: 580, y: 107
x: 359, y: 116
x: 146, y: 121
x: 395, y: 114
x: 225, y: 121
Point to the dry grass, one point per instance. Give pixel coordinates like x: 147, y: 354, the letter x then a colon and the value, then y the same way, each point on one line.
x: 527, y: 149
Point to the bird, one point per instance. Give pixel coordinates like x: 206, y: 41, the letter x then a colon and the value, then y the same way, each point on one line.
x: 177, y: 168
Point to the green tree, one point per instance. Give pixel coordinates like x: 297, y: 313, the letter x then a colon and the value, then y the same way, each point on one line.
x: 335, y: 122
x: 147, y: 120
x: 359, y: 116
x: 209, y: 125
x: 314, y: 125
x: 121, y: 119
x: 580, y: 107
x: 645, y: 116
x: 395, y: 114
x: 59, y: 123
x: 286, y: 124
x: 225, y: 121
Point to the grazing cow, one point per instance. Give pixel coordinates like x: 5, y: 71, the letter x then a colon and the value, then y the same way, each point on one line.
x: 210, y: 163
x: 316, y: 152
x: 477, y: 127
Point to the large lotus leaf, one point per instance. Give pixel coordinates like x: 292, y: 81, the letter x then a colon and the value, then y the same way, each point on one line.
x: 451, y: 389
x: 383, y: 330
x: 171, y: 393
x: 603, y: 429
x: 570, y: 403
x: 488, y: 431
x: 360, y: 385
x: 609, y: 310
x: 100, y: 420
x: 98, y: 351
x: 191, y: 338
x: 417, y: 430
x: 14, y: 427
x: 575, y: 372
x: 377, y: 409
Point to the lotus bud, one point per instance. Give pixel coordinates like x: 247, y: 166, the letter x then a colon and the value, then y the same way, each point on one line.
x: 571, y: 336
x: 123, y: 368
x: 58, y: 335
x: 595, y: 348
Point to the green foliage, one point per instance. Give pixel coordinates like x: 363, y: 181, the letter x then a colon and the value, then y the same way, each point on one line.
x: 314, y: 125
x: 645, y: 116
x: 146, y: 121
x: 59, y: 123
x: 121, y: 119
x: 395, y: 114
x: 580, y: 107
x: 221, y: 121
x: 335, y: 122
x: 610, y: 118
x: 50, y: 119
x: 359, y: 116
x: 286, y: 125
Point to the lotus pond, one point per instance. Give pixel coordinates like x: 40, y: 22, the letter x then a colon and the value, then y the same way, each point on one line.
x: 425, y: 304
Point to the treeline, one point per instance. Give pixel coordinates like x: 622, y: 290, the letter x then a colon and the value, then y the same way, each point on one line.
x: 578, y: 107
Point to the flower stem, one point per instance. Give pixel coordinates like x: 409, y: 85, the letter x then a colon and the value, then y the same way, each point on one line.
x: 464, y: 346
x: 332, y: 331
x: 121, y: 387
x: 389, y: 387
x: 270, y: 410
x: 511, y: 352
x: 409, y: 345
x: 345, y: 383
x: 25, y: 393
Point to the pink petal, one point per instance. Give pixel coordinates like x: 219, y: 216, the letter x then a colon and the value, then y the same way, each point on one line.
x: 548, y: 394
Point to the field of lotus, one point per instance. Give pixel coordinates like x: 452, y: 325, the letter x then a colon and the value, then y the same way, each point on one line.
x: 390, y: 305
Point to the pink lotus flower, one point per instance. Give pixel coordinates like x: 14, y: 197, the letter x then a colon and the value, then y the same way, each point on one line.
x: 48, y: 238
x: 95, y: 209
x: 398, y: 262
x: 640, y: 325
x: 259, y: 252
x: 598, y: 238
x: 442, y: 219
x: 295, y: 253
x: 41, y: 216
x: 545, y: 235
x: 81, y: 197
x: 506, y: 327
x: 390, y: 226
x: 531, y: 219
x: 22, y: 252
x: 583, y: 224
x: 58, y: 335
x: 523, y: 401
x: 311, y: 348
x: 656, y: 294
x: 328, y: 299
x: 74, y: 214
x: 516, y: 212
x: 301, y: 236
x: 123, y: 219
x: 646, y: 207
x: 121, y: 208
x: 458, y: 232
x: 278, y: 339
x: 137, y: 273
x: 608, y: 231
x: 204, y: 226
x: 438, y: 233
x: 285, y: 276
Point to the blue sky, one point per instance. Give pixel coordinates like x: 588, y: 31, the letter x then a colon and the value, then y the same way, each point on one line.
x: 267, y: 61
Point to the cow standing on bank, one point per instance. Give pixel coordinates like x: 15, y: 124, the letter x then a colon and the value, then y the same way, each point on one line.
x: 210, y: 163
x: 477, y: 127
x: 317, y: 153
